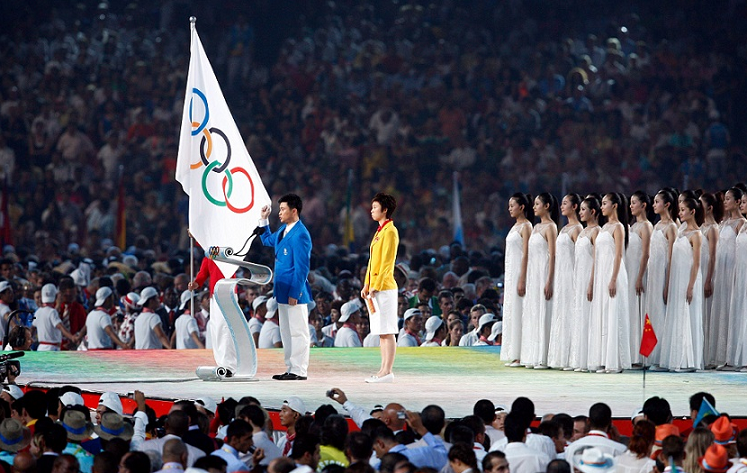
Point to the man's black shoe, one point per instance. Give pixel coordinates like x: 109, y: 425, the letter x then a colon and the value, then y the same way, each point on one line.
x: 291, y: 377
x: 280, y: 376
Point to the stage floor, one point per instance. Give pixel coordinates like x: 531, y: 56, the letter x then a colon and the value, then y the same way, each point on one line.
x: 453, y: 378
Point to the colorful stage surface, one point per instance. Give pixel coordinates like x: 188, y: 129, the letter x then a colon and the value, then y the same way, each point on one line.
x: 453, y: 378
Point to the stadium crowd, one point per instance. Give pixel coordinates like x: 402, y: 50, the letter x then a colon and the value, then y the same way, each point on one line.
x: 54, y: 431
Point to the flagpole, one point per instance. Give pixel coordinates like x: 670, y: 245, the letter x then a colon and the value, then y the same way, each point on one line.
x: 191, y: 268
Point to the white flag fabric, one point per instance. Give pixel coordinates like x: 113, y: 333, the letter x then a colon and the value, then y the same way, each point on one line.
x: 213, y: 166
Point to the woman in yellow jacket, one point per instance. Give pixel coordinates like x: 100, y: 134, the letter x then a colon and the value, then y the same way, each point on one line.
x: 380, y: 290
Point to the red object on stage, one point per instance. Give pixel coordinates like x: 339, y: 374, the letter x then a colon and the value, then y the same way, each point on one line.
x: 648, y: 340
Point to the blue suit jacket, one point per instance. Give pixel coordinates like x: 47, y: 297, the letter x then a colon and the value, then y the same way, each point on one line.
x: 292, y: 259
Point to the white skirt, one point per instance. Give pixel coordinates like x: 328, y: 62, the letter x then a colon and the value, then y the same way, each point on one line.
x: 385, y: 321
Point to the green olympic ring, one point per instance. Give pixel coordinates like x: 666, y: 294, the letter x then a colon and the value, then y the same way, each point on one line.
x: 205, y: 191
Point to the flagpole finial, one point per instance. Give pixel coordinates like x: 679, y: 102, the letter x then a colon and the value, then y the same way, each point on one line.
x: 193, y: 19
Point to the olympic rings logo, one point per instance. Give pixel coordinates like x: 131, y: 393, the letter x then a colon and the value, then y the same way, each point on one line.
x: 206, y: 152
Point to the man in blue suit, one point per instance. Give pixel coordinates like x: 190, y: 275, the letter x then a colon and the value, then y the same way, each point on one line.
x: 292, y: 244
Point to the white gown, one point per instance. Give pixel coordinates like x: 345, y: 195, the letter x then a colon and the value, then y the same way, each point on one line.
x: 682, y: 348
x: 613, y: 349
x: 535, y: 327
x: 723, y: 282
x: 562, y: 310
x: 655, y: 280
x: 584, y: 260
x: 513, y: 305
x: 705, y: 259
x: 738, y: 308
x: 636, y: 303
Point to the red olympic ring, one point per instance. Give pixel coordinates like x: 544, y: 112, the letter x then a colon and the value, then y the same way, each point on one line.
x: 251, y: 185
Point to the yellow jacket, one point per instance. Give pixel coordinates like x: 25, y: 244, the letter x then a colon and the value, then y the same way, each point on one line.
x: 380, y: 273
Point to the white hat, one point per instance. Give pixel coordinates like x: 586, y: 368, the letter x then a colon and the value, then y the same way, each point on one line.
x: 258, y: 301
x: 432, y: 325
x: 146, y: 294
x: 485, y: 319
x: 349, y: 308
x: 71, y: 398
x: 4, y: 285
x: 79, y: 278
x: 295, y: 404
x: 185, y: 298
x: 14, y: 391
x: 131, y: 299
x: 272, y: 307
x: 48, y: 292
x: 497, y: 330
x: 208, y: 403
x: 593, y: 460
x: 112, y: 401
x: 410, y: 313
x: 102, y: 294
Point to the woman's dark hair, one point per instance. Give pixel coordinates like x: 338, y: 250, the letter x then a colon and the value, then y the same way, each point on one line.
x: 465, y: 454
x: 690, y: 194
x: 334, y: 431
x: 387, y: 202
x: 594, y: 205
x: 526, y: 200
x: 715, y: 201
x: 669, y: 198
x: 622, y: 213
x: 737, y: 193
x: 694, y: 204
x: 552, y: 203
x: 575, y: 202
x: 644, y: 198
x: 643, y: 437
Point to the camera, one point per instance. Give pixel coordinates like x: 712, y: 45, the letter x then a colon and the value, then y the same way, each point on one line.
x: 331, y: 394
x: 402, y: 415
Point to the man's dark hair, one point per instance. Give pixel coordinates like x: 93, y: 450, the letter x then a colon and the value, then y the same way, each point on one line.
x: 137, y: 461
x: 600, y: 416
x: 370, y: 425
x: 485, y: 410
x: 673, y: 446
x: 254, y: 414
x: 360, y: 467
x: 334, y: 431
x: 697, y: 399
x: 566, y: 423
x: 322, y: 413
x: 65, y: 457
x: 657, y: 410
x: 523, y: 407
x: 227, y: 410
x: 189, y: 408
x: 213, y: 462
x: 293, y: 201
x: 558, y: 466
x: 514, y: 427
x: 742, y: 443
x: 359, y: 446
x: 550, y: 428
x: 177, y: 423
x: 464, y: 453
x: 117, y: 447
x: 105, y: 462
x: 238, y: 428
x: 433, y: 418
x: 387, y: 202
x: 427, y: 284
x: 304, y: 444
x: 382, y: 433
x: 66, y: 282
x: 55, y: 438
x: 475, y: 424
x: 35, y: 403
x: 280, y: 464
x: 487, y: 460
x: 461, y: 434
x: 390, y: 461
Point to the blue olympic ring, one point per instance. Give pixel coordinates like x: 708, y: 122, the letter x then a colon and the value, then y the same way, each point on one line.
x: 207, y: 111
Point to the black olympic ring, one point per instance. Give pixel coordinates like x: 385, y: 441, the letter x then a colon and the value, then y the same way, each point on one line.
x: 223, y: 166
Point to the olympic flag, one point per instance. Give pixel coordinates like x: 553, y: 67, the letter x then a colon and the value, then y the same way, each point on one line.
x: 213, y: 166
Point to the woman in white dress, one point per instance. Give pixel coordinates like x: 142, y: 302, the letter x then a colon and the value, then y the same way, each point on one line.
x: 636, y: 262
x: 682, y: 348
x: 657, y: 280
x: 535, y: 327
x: 583, y: 284
x: 738, y: 308
x: 713, y: 212
x: 611, y: 354
x: 562, y: 311
x: 723, y: 280
x: 515, y: 277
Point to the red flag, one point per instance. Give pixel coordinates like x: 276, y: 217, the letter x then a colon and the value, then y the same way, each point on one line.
x: 121, y: 215
x: 648, y: 340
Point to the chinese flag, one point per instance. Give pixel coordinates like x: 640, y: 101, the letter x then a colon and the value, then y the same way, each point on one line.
x: 648, y: 341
